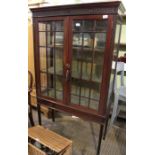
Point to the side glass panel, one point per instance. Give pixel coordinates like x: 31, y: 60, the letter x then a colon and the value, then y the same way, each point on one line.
x: 51, y: 42
x: 88, y: 45
x: 115, y: 55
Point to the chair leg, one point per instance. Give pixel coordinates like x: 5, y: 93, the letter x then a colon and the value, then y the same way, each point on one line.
x: 114, y: 111
x: 30, y: 110
x: 31, y: 118
x: 53, y: 115
x: 39, y: 114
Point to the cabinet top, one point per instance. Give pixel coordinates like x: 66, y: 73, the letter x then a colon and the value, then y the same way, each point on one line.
x: 112, y: 7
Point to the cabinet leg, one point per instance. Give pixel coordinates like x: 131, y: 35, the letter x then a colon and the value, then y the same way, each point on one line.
x: 100, y: 139
x: 39, y: 114
x: 53, y: 115
x: 105, y: 129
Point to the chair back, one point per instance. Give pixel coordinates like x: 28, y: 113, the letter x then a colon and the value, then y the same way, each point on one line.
x: 30, y: 81
x: 119, y: 76
x: 115, y: 83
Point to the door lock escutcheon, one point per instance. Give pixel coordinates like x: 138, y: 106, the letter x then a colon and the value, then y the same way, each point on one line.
x: 67, y: 72
x: 68, y: 66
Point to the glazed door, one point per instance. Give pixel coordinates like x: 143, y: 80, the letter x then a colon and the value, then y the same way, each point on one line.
x: 87, y: 46
x: 71, y: 56
x: 51, y: 57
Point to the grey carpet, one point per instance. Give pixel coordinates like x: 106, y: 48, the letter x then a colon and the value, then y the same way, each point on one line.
x: 84, y: 135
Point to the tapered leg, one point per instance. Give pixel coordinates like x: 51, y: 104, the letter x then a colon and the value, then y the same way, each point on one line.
x: 100, y: 139
x: 39, y: 114
x: 105, y: 129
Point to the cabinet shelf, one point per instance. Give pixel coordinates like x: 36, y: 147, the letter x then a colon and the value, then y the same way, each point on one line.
x: 74, y: 79
x: 91, y: 31
x: 84, y: 97
x: 53, y: 93
x: 52, y: 46
x: 51, y: 31
x: 55, y: 46
x: 51, y: 71
x: 79, y: 48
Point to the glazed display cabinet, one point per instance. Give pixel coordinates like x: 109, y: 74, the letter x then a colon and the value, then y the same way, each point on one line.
x: 74, y: 46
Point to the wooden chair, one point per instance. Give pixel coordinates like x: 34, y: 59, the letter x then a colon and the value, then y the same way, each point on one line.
x: 119, y: 90
x: 47, y: 112
x: 30, y: 84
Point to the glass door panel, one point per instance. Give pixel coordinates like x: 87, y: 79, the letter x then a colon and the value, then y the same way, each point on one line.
x: 88, y: 45
x: 76, y: 63
x: 51, y: 43
x: 42, y: 58
x: 114, y: 62
x: 42, y: 26
x: 42, y: 38
x: 75, y: 92
x: 43, y: 81
x: 97, y: 69
x: 88, y: 25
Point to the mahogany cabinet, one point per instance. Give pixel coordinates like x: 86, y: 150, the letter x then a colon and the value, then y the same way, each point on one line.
x: 74, y: 46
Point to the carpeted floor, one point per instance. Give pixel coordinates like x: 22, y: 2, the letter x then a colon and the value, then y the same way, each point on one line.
x: 85, y: 135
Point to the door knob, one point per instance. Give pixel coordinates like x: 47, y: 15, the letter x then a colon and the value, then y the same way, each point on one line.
x: 68, y: 66
x: 67, y: 75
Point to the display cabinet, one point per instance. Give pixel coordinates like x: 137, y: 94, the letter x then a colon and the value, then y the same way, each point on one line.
x: 74, y: 46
